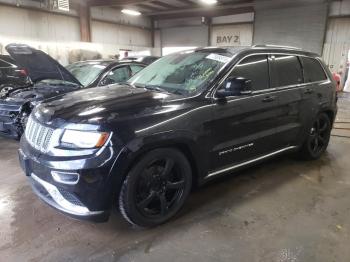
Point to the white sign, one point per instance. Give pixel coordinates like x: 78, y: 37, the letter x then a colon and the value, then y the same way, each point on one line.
x: 232, y: 35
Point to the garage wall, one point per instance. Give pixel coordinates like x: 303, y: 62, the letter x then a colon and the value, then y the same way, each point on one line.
x: 28, y: 24
x: 292, y: 26
x: 337, y: 45
x: 59, y: 35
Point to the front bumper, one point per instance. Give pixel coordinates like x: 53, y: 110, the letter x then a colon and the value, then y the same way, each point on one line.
x: 90, y: 198
x: 9, y: 120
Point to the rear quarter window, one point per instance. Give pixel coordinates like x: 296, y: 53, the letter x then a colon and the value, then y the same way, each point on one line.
x: 313, y: 71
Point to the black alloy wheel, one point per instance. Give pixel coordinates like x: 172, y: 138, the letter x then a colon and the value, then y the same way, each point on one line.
x: 156, y: 188
x: 318, y: 138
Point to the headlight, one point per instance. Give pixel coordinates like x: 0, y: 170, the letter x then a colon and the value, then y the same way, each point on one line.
x: 84, y: 139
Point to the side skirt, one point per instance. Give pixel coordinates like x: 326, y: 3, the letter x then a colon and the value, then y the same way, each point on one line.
x: 231, y: 168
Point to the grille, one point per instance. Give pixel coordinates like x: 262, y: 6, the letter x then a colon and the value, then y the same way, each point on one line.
x: 70, y: 197
x: 37, y: 135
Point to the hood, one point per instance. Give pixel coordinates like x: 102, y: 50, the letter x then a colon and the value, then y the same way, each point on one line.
x: 38, y: 64
x: 102, y: 104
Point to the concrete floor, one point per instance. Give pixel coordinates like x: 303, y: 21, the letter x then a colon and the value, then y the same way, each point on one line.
x: 284, y: 211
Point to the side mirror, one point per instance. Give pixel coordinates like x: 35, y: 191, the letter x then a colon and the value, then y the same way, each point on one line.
x: 235, y: 86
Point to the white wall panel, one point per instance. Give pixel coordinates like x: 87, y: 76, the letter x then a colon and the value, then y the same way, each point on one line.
x: 34, y: 25
x: 185, y: 36
x: 109, y: 33
x: 232, y: 35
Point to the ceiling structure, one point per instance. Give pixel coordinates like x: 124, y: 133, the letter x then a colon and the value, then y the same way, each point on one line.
x: 169, y: 9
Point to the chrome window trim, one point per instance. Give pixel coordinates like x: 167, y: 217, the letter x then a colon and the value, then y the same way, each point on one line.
x: 226, y: 169
x: 215, y: 89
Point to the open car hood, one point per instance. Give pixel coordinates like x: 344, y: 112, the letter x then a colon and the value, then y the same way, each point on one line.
x: 40, y: 66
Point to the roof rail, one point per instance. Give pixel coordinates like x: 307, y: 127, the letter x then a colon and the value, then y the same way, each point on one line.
x: 278, y: 46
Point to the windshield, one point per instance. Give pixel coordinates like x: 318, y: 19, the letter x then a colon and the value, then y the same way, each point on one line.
x: 86, y: 72
x: 185, y: 73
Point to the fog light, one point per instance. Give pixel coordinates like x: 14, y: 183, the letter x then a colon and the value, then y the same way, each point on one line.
x: 65, y: 177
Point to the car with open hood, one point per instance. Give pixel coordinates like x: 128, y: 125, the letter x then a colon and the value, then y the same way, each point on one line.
x: 49, y: 79
x: 11, y: 75
x: 184, y: 120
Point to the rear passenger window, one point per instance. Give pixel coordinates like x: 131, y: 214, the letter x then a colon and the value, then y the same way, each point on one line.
x: 313, y: 71
x: 256, y: 69
x: 286, y: 71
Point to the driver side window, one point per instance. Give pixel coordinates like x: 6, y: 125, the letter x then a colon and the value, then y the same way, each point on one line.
x: 118, y: 75
x: 254, y: 68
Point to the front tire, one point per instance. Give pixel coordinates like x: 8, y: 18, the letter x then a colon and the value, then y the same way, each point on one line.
x: 156, y: 188
x: 4, y: 89
x: 318, y: 138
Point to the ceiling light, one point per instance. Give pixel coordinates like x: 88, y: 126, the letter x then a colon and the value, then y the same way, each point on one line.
x: 131, y: 12
x: 209, y: 2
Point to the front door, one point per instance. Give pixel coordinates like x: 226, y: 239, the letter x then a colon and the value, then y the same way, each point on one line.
x: 244, y: 125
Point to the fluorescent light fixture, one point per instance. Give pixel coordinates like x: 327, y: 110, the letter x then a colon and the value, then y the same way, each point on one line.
x: 131, y: 12
x: 209, y: 2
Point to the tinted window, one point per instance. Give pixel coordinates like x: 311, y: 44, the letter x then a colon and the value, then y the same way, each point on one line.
x: 313, y: 71
x: 135, y: 69
x: 287, y: 71
x: 254, y: 68
x: 118, y: 75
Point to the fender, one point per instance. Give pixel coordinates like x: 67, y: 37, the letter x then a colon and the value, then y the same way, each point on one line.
x: 181, y: 140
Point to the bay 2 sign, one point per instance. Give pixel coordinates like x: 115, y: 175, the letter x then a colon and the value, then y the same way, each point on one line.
x: 232, y: 35
x: 228, y: 40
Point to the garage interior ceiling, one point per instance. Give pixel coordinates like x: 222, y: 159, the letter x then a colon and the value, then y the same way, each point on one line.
x: 168, y: 9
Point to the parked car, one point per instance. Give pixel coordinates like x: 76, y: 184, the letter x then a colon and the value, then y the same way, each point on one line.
x: 189, y: 118
x: 142, y: 59
x: 11, y: 76
x: 51, y: 79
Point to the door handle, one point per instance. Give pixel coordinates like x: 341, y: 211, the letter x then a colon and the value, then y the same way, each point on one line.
x: 269, y: 99
x: 308, y: 91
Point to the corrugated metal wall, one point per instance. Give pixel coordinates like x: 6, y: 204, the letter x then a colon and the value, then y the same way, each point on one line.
x: 302, y: 26
x: 185, y: 36
x: 337, y: 44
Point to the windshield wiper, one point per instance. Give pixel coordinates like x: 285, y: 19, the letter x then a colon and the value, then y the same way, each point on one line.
x: 155, y: 88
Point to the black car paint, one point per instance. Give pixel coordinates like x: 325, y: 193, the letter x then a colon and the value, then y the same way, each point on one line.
x: 217, y: 135
x: 18, y: 103
x: 11, y: 75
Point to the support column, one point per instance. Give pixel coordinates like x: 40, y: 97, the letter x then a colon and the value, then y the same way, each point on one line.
x: 84, y: 21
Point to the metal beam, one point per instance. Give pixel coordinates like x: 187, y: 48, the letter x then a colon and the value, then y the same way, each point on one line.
x: 165, y: 5
x: 204, y: 13
x: 116, y: 2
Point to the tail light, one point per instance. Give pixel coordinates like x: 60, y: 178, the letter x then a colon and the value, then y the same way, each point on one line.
x: 23, y: 72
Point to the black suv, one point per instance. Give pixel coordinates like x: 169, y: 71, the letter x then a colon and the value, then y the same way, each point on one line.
x: 11, y: 76
x: 184, y: 120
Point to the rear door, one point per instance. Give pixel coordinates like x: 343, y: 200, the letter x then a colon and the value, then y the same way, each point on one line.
x: 315, y: 92
x: 287, y: 78
x: 244, y: 126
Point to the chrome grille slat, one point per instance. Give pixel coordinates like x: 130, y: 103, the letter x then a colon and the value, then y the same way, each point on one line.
x: 38, y: 135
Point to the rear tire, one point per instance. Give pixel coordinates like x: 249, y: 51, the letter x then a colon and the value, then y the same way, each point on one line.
x: 318, y: 138
x: 156, y: 188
